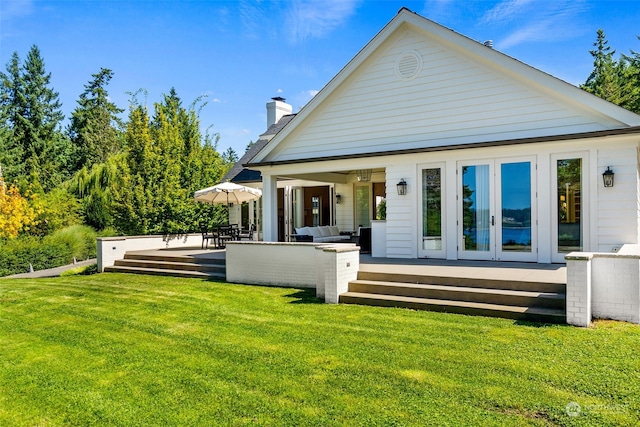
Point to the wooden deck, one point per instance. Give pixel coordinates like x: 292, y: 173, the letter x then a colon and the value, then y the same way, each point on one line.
x: 525, y: 291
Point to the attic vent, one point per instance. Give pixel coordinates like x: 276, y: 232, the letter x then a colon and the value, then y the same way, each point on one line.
x: 408, y: 65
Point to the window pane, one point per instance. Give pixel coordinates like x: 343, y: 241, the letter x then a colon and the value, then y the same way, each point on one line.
x: 475, y: 208
x: 432, y: 209
x: 363, y: 203
x: 569, y: 205
x: 516, y: 206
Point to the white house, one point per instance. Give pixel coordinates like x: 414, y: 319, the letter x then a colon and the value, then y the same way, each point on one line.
x: 501, y: 161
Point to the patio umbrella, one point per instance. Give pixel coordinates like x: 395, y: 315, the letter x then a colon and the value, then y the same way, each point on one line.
x: 226, y: 193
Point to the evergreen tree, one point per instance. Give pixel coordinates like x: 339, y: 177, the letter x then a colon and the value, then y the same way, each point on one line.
x: 95, y: 127
x: 230, y: 156
x: 166, y: 163
x: 38, y: 153
x: 631, y: 82
x: 604, y: 81
x: 11, y: 153
x: 617, y: 81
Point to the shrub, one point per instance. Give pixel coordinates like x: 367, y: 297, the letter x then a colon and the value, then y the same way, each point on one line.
x: 83, y: 271
x: 78, y: 241
x: 16, y: 255
x: 57, y: 210
x: 108, y: 232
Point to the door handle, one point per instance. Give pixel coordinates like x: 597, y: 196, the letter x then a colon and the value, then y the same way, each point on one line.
x: 493, y: 220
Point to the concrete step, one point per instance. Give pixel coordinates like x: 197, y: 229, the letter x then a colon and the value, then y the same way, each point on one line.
x: 170, y: 265
x: 508, y: 297
x: 174, y: 258
x: 535, y: 314
x: 166, y: 272
x: 531, y: 286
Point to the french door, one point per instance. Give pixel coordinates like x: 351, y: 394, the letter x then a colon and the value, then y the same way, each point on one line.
x: 496, y: 210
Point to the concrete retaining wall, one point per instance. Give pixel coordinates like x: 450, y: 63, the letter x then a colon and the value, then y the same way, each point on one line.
x: 109, y: 249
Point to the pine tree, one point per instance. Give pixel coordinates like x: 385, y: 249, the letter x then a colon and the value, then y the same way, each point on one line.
x: 631, y: 82
x: 11, y: 152
x: 605, y: 79
x: 33, y: 115
x: 95, y: 126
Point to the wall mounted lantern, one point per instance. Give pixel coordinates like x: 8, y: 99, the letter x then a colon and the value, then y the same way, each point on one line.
x: 364, y: 175
x: 338, y: 199
x: 607, y: 177
x: 402, y: 187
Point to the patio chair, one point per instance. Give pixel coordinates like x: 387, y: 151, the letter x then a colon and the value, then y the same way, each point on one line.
x: 227, y: 233
x: 247, y: 233
x: 206, y: 236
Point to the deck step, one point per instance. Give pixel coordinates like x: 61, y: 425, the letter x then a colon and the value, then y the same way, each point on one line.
x: 170, y: 265
x: 166, y: 272
x: 535, y: 314
x: 173, y: 258
x: 464, y: 282
x: 462, y: 293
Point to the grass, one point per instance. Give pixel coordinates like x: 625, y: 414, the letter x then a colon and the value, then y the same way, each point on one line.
x: 126, y: 350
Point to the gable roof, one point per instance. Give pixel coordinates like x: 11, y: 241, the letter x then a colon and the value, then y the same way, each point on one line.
x: 462, y: 93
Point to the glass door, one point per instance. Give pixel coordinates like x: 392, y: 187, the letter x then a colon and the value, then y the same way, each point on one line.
x: 431, y: 212
x: 362, y: 209
x: 476, y: 216
x: 496, y: 217
x: 570, y: 195
x: 516, y: 235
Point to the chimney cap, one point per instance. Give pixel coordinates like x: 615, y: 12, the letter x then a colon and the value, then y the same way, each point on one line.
x: 278, y: 98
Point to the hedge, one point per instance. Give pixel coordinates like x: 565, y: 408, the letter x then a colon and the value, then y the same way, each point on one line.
x: 57, y: 249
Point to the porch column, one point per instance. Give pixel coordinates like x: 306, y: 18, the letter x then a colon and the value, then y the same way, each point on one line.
x: 269, y: 208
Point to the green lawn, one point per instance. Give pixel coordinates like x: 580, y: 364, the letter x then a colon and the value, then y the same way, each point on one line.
x: 129, y: 350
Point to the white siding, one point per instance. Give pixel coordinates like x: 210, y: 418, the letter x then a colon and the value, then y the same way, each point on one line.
x: 453, y: 100
x: 617, y: 207
x: 401, y: 212
x: 344, y: 211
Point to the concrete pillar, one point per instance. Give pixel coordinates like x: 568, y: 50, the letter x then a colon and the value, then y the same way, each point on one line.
x: 579, y: 288
x: 269, y: 208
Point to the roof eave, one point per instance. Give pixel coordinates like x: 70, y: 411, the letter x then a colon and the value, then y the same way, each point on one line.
x: 531, y: 140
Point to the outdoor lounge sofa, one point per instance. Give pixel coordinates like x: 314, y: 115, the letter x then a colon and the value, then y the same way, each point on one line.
x: 321, y: 234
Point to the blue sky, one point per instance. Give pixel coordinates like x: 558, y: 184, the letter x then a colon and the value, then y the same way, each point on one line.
x: 241, y: 53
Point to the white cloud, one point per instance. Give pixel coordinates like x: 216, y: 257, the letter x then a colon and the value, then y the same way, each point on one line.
x: 506, y: 10
x: 532, y: 21
x: 10, y: 9
x: 311, y: 93
x: 315, y: 19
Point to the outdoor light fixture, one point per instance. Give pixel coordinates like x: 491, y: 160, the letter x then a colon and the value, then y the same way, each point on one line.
x: 364, y: 175
x: 402, y: 187
x: 607, y: 177
x: 338, y: 199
